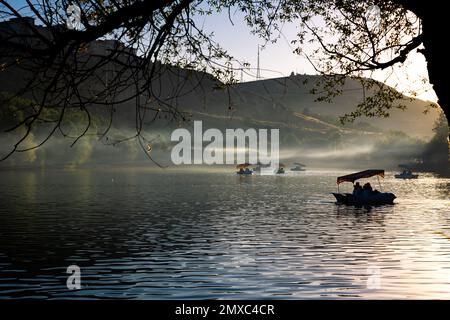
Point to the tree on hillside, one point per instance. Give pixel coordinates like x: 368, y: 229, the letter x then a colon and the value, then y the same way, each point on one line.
x: 143, y: 36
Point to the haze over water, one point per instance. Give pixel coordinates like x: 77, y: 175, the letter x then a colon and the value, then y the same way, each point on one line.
x: 177, y: 235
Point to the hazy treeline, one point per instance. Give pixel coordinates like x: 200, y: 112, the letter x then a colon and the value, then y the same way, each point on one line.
x: 336, y: 147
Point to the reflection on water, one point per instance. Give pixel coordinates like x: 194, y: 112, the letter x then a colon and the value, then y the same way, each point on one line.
x: 140, y: 234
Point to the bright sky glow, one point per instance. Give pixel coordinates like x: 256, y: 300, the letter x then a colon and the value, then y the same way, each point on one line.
x: 278, y: 60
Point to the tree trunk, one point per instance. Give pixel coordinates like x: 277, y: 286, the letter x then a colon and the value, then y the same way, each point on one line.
x: 436, y: 44
x: 438, y: 59
x: 434, y: 17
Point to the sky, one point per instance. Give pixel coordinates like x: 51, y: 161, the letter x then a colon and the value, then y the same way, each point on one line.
x: 278, y: 60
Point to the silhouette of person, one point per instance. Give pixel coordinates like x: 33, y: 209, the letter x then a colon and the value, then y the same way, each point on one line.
x: 357, y: 189
x: 367, y: 189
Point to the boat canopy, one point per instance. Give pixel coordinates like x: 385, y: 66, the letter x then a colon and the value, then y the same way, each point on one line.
x: 360, y: 175
x: 243, y: 165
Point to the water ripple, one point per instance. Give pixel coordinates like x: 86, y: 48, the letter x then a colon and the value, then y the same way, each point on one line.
x: 143, y: 235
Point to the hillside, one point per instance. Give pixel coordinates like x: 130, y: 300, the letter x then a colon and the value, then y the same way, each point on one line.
x: 294, y: 94
x: 287, y: 100
x: 306, y: 126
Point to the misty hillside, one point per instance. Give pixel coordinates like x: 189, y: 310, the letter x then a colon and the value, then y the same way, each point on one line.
x: 295, y: 95
x: 306, y: 127
x: 283, y: 100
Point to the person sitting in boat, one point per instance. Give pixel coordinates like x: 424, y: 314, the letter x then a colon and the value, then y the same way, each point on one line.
x: 241, y: 170
x: 367, y: 189
x: 357, y: 189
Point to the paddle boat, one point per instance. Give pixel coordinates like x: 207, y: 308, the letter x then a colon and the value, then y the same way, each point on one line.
x: 281, y: 169
x: 243, y: 169
x: 363, y: 195
x: 298, y: 167
x: 406, y: 173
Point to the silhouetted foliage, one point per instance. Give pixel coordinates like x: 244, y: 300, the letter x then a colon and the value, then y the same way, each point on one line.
x: 139, y: 40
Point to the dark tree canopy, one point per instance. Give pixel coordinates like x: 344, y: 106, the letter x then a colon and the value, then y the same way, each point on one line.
x: 60, y: 59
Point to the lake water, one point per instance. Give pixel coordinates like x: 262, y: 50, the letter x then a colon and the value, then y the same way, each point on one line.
x: 142, y: 234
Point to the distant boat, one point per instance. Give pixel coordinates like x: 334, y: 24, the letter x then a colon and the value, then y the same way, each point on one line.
x: 245, y: 172
x: 298, y: 167
x: 281, y: 169
x: 363, y: 196
x: 406, y: 173
x: 243, y: 169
